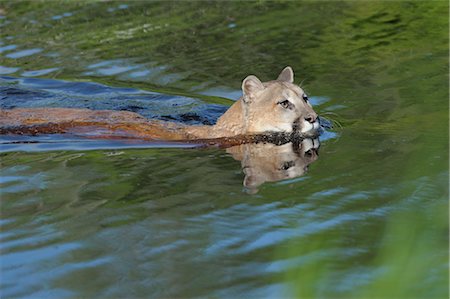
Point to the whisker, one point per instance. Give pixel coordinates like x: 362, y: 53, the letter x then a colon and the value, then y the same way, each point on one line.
x: 301, y: 83
x: 338, y: 123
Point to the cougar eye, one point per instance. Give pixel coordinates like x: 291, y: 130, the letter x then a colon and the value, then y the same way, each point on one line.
x: 305, y: 98
x: 286, y: 104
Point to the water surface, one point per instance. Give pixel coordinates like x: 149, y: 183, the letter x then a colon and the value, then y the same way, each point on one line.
x: 85, y: 218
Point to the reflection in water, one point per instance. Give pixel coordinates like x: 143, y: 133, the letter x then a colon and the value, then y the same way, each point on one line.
x: 371, y: 220
x: 23, y: 53
x: 268, y: 162
x: 7, y: 48
x: 39, y: 72
x: 8, y: 70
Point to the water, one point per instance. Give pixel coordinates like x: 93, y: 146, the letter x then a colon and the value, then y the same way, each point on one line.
x: 92, y: 218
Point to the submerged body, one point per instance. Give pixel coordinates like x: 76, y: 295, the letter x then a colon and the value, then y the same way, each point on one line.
x: 277, y: 106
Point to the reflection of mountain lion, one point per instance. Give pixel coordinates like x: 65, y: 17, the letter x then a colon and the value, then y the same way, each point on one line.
x: 274, y: 106
x: 267, y: 162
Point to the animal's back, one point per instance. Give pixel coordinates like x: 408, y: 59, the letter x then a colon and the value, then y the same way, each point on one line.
x: 85, y: 121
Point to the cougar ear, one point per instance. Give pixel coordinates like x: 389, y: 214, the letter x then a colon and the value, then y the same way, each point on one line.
x: 287, y: 75
x: 250, y: 86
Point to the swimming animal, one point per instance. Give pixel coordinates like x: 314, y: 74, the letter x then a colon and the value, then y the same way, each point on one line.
x: 273, y: 107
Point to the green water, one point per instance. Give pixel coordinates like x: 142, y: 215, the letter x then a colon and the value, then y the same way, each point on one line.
x: 368, y: 220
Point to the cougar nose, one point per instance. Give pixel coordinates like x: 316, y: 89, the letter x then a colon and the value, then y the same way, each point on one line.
x: 311, y: 118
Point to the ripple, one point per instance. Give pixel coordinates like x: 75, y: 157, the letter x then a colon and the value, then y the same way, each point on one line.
x: 64, y: 15
x: 335, y: 107
x: 24, y: 53
x: 100, y: 64
x: 318, y: 100
x: 121, y: 6
x: 18, y: 264
x: 7, y: 22
x: 327, y: 135
x: 14, y: 259
x: 7, y: 179
x: 170, y: 78
x: 4, y: 70
x: 328, y: 193
x: 61, y: 142
x: 34, y: 182
x: 138, y: 74
x: 110, y: 68
x: 114, y: 70
x: 7, y: 48
x: 223, y: 92
x: 39, y: 72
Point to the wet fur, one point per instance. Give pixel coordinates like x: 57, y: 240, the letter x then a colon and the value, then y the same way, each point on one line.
x: 257, y: 112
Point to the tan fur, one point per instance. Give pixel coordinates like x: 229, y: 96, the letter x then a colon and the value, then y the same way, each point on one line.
x: 258, y: 111
x: 266, y: 162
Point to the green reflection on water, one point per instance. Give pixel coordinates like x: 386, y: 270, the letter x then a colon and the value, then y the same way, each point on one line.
x: 369, y: 220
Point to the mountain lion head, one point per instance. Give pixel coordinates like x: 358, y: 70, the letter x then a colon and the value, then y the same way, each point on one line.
x: 278, y: 106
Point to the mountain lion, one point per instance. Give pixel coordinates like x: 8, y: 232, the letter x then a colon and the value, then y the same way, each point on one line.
x: 277, y: 106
